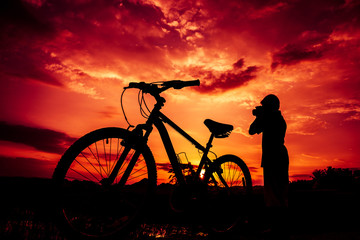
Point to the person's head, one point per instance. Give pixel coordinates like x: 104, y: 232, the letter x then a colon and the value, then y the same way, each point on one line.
x: 271, y: 102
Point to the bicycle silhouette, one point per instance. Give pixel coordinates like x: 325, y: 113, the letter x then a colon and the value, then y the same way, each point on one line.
x: 106, y: 177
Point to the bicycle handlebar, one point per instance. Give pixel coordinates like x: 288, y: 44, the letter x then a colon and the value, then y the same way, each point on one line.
x: 178, y: 84
x: 156, y: 88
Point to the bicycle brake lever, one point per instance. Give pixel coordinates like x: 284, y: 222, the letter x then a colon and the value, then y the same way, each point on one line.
x: 138, y: 85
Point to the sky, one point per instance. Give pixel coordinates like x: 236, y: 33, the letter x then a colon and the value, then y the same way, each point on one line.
x: 63, y: 66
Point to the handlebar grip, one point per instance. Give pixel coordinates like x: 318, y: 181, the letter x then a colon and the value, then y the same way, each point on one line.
x: 179, y: 84
x: 139, y: 85
x: 192, y: 83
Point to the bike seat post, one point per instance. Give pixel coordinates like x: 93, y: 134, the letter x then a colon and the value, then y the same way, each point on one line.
x: 209, y: 144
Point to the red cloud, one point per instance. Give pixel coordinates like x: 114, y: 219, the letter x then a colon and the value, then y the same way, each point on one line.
x: 292, y: 54
x: 26, y: 62
x: 213, y: 82
x: 164, y: 166
x: 45, y: 140
x: 25, y: 167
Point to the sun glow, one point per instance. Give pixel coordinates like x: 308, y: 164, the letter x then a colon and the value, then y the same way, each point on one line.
x: 202, y: 174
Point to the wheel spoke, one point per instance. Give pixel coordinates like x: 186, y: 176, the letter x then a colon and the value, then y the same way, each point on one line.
x: 98, y: 158
x: 229, y: 169
x: 117, y: 154
x: 138, y: 170
x: 86, y: 170
x: 233, y: 175
x: 79, y: 174
x: 106, y: 163
x: 91, y: 164
x: 137, y: 176
x: 98, y: 161
x: 110, y: 156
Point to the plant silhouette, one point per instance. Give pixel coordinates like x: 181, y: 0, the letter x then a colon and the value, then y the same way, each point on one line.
x: 187, y: 169
x: 333, y: 178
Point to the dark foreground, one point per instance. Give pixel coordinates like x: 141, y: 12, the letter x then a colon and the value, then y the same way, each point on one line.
x: 313, y: 214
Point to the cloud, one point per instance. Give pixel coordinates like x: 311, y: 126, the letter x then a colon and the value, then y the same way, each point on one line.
x: 340, y: 106
x: 215, y: 81
x: 291, y: 54
x: 329, y: 46
x: 328, y: 30
x: 167, y: 166
x: 109, y: 112
x: 305, y: 125
x: 313, y: 118
x: 96, y: 36
x: 25, y: 167
x: 310, y: 45
x: 119, y: 35
x: 45, y: 140
x: 301, y: 176
x: 241, y: 131
x: 28, y: 63
x: 23, y: 33
x: 164, y: 166
x: 254, y: 169
x: 19, y: 14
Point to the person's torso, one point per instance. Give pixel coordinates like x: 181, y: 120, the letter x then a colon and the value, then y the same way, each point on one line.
x: 273, y: 148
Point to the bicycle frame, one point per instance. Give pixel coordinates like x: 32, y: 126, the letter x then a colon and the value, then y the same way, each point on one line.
x: 158, y: 119
x: 139, y: 138
x: 170, y: 149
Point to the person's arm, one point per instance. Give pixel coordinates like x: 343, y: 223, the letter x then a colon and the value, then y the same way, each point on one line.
x: 256, y: 126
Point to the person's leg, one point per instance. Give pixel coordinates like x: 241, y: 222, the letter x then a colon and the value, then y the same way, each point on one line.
x: 276, y: 200
x: 270, y: 200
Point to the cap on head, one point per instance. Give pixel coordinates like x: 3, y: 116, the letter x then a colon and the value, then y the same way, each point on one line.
x: 271, y: 102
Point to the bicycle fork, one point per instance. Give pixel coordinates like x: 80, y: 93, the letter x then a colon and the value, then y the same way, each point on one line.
x: 115, y: 171
x: 129, y: 144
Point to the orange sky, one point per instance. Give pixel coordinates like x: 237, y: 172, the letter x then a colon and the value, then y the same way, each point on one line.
x: 63, y: 65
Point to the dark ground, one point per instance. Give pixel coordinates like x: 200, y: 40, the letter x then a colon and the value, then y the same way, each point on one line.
x: 313, y: 214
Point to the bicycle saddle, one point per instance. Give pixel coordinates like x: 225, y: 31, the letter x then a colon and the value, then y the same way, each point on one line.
x: 220, y: 130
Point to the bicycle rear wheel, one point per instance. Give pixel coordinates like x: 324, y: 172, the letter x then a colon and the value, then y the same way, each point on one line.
x: 87, y: 206
x: 229, y: 185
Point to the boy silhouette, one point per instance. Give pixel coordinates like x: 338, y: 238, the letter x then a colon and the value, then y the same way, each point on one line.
x: 275, y: 159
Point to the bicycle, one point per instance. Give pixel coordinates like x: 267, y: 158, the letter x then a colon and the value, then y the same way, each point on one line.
x: 106, y: 177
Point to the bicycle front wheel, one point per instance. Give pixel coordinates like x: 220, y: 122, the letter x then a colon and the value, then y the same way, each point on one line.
x: 87, y: 206
x: 229, y: 185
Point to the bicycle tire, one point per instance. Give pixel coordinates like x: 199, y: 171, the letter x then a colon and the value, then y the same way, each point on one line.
x: 88, y: 209
x: 227, y: 205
